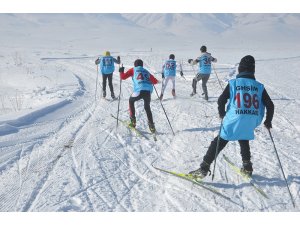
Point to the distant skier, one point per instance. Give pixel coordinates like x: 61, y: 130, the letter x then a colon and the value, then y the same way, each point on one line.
x: 245, y: 111
x: 169, y: 73
x: 142, y: 88
x: 107, y: 68
x: 204, y: 70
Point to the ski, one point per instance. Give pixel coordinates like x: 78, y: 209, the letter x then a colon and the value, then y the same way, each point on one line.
x: 245, y: 177
x: 194, y: 180
x: 138, y: 132
x: 110, y: 99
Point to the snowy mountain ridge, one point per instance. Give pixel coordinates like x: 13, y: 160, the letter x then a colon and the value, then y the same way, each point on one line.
x: 191, y: 26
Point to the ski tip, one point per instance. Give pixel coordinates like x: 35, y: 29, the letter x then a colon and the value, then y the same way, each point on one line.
x: 154, y: 166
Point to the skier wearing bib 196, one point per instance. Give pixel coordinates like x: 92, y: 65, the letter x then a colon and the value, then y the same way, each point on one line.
x: 245, y: 111
x: 107, y: 68
x: 204, y: 70
x: 169, y: 73
x: 143, y: 86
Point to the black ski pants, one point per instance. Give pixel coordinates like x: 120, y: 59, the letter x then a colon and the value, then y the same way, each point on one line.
x: 146, y: 96
x: 104, y: 78
x: 210, y: 154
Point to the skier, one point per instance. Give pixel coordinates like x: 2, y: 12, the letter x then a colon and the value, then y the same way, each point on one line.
x: 107, y: 68
x: 245, y: 111
x: 204, y: 70
x: 169, y: 73
x: 143, y: 83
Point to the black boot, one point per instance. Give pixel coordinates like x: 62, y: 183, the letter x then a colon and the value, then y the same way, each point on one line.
x: 247, y: 168
x: 104, y: 94
x: 161, y: 97
x: 173, y: 93
x: 132, y: 122
x: 113, y: 96
x: 202, y: 171
x: 151, y: 127
x: 206, y: 97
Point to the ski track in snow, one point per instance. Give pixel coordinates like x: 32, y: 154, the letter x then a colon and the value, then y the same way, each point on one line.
x: 74, y: 158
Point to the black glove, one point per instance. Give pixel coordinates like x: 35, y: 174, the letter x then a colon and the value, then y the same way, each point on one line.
x: 190, y: 60
x: 268, y: 124
x: 162, y: 75
x: 97, y: 61
x: 181, y: 73
x: 119, y: 59
x: 121, y: 70
x: 222, y: 114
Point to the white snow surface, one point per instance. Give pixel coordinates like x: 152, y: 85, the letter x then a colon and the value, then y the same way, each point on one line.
x: 60, y: 149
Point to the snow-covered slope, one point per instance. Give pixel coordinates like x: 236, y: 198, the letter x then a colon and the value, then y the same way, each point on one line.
x: 60, y: 149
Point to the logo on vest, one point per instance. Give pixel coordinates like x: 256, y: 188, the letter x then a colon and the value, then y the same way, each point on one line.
x: 246, y: 99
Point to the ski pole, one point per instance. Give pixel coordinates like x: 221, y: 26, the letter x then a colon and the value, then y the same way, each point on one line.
x: 163, y: 79
x: 181, y: 69
x: 217, y: 77
x: 164, y: 110
x: 119, y: 98
x: 281, y: 168
x: 96, y: 84
x: 162, y: 85
x: 216, y: 153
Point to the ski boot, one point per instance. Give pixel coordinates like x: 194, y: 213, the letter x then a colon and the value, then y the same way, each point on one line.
x: 247, y: 168
x: 206, y: 97
x: 104, y: 94
x: 173, y: 93
x: 151, y: 127
x: 161, y: 97
x: 193, y: 93
x: 202, y: 171
x: 132, y: 122
x: 113, y: 96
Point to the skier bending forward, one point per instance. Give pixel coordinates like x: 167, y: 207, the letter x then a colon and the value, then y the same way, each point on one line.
x: 143, y: 83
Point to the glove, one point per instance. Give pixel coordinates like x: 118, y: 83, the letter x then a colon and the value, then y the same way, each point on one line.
x: 121, y: 70
x: 119, y: 59
x: 162, y: 75
x: 97, y: 61
x: 189, y: 61
x: 268, y: 124
x: 181, y: 73
x: 222, y: 114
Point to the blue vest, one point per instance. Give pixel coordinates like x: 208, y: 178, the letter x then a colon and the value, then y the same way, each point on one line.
x: 205, y: 64
x: 107, y: 65
x: 141, y: 80
x: 245, y: 110
x: 170, y: 68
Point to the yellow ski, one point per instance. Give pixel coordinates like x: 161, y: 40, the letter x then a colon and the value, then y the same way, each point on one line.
x: 194, y: 180
x: 245, y: 177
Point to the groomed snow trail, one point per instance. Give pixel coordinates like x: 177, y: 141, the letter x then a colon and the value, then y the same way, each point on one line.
x: 74, y: 158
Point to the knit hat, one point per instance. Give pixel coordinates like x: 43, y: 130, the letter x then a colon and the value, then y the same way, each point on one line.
x: 203, y: 48
x: 247, y: 64
x: 138, y: 62
x: 107, y: 53
x: 172, y: 56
